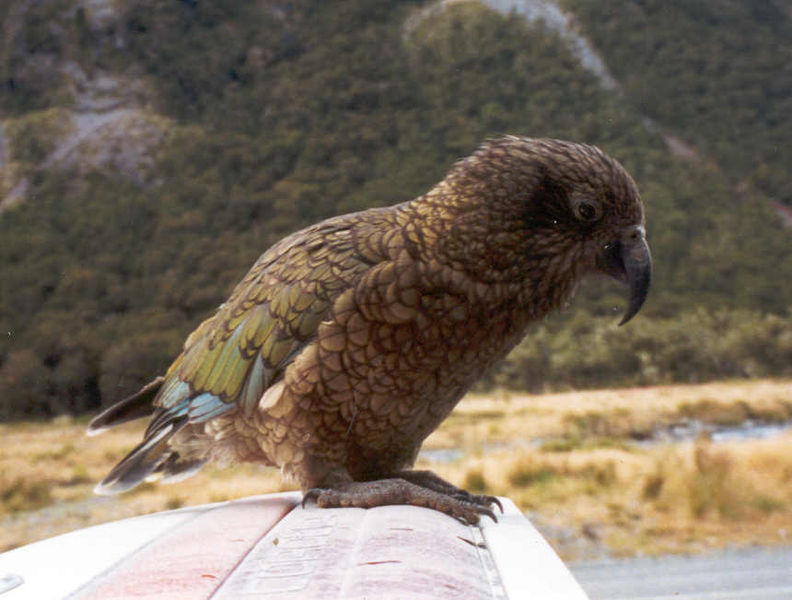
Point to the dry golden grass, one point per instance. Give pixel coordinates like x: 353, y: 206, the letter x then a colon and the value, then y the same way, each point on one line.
x: 508, y: 416
x: 585, y: 474
x: 684, y: 497
x: 589, y: 475
x: 48, y: 472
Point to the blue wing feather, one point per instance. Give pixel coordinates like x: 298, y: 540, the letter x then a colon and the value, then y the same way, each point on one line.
x: 206, y: 406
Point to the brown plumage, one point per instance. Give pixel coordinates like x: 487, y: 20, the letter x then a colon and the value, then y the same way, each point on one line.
x: 350, y: 341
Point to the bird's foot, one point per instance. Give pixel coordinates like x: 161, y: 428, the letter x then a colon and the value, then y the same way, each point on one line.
x: 431, y: 481
x: 383, y: 492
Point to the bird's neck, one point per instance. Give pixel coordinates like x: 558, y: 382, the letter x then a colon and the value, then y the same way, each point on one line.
x: 508, y: 266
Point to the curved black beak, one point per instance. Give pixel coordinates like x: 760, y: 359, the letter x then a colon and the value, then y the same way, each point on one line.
x: 628, y: 259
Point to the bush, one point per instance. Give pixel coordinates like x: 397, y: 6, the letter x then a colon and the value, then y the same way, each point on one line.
x: 696, y: 346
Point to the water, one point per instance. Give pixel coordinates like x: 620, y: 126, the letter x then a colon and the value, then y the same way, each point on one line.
x: 442, y: 455
x: 693, y: 429
x: 686, y: 431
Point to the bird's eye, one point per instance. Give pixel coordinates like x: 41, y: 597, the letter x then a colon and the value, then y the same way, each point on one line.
x: 588, y: 211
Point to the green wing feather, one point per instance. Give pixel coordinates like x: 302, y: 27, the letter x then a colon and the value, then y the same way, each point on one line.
x: 271, y: 315
x: 244, y: 348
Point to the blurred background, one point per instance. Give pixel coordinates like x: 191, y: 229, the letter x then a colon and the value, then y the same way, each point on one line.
x: 150, y: 150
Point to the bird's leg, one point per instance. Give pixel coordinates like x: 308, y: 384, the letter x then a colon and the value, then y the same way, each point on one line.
x: 382, y: 492
x: 432, y: 481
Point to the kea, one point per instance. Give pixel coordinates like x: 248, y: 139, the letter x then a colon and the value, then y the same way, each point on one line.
x: 349, y: 342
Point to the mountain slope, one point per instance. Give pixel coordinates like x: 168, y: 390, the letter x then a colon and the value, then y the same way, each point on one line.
x: 264, y: 117
x: 719, y: 73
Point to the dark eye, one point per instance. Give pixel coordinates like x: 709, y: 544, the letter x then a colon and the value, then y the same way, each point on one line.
x: 587, y: 211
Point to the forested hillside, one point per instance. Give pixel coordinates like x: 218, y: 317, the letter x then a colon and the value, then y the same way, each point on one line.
x: 718, y: 73
x: 150, y: 150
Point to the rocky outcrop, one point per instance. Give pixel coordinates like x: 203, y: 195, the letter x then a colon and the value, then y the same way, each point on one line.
x: 103, y: 122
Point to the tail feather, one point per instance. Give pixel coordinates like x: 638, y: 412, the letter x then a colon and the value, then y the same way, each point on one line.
x: 147, y: 458
x: 175, y: 468
x: 136, y: 406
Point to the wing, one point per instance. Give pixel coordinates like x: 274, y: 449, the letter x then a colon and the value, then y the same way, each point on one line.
x: 234, y: 356
x: 231, y: 359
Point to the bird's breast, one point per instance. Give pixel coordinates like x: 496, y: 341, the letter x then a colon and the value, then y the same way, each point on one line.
x: 397, y: 353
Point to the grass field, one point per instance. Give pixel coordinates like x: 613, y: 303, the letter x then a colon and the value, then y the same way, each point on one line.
x: 590, y: 464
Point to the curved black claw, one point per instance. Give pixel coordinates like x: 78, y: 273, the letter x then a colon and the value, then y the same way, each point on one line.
x: 487, y: 512
x: 311, y: 494
x: 485, y: 500
x: 481, y: 500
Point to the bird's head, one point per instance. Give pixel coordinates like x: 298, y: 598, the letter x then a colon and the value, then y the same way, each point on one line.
x: 551, y: 211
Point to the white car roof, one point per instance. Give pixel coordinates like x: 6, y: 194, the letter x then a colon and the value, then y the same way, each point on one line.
x: 271, y: 547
